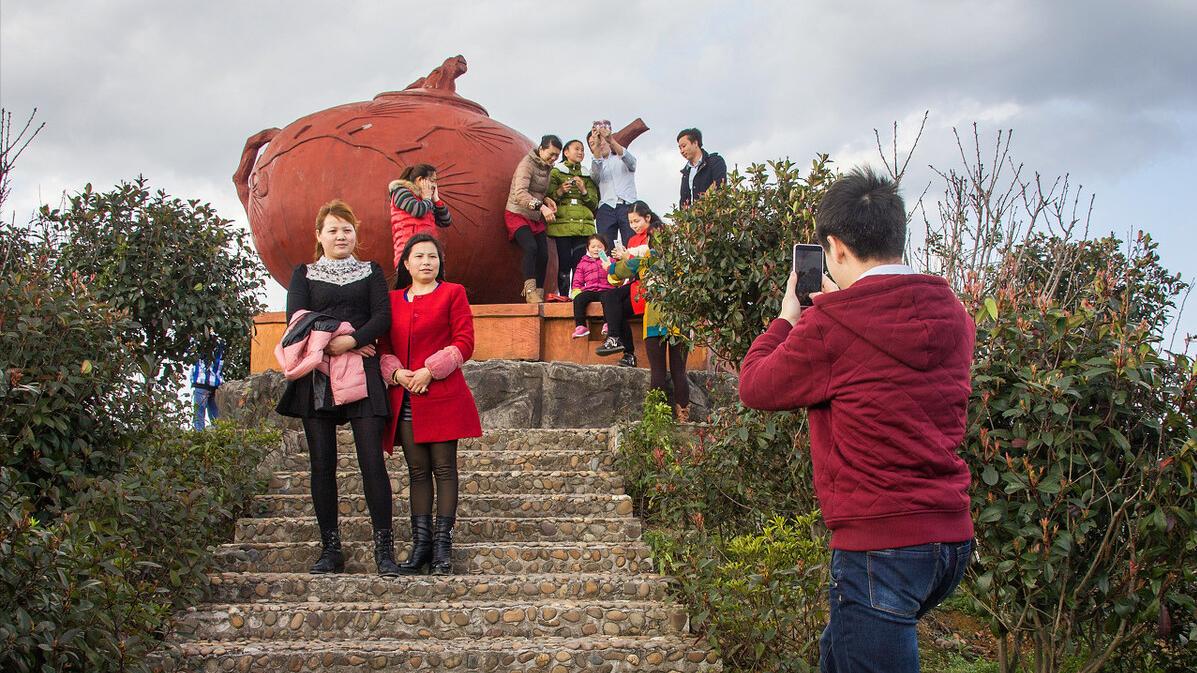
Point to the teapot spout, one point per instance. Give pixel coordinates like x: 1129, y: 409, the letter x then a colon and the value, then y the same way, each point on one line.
x: 632, y: 131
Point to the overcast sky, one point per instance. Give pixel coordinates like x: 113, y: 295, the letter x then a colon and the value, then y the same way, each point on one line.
x: 1105, y: 91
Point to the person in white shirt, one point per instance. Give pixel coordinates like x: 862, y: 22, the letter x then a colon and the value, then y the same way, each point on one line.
x: 614, y: 169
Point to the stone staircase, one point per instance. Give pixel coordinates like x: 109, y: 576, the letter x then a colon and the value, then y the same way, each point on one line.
x: 551, y: 575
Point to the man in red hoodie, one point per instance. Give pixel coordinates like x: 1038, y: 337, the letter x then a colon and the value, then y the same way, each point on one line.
x: 881, y: 363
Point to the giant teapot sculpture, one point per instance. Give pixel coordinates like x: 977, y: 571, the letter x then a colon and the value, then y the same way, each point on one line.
x: 353, y: 151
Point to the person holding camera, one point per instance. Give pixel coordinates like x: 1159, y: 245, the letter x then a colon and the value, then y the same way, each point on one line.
x: 881, y: 363
x: 614, y: 170
x: 577, y: 198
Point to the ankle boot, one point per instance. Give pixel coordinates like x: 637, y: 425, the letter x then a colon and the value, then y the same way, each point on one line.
x: 384, y: 553
x: 421, y: 546
x: 332, y: 559
x: 530, y: 291
x: 442, y: 546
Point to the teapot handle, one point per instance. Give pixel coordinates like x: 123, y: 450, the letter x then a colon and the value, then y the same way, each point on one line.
x: 248, y: 156
x: 627, y: 134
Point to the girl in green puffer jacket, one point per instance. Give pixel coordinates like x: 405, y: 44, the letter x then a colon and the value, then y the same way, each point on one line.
x: 577, y: 198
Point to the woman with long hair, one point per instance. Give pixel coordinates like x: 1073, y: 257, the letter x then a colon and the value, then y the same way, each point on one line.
x: 632, y: 263
x: 340, y: 302
x: 431, y: 335
x: 529, y: 208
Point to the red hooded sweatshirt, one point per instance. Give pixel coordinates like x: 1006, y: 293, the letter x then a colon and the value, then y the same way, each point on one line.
x: 883, y: 367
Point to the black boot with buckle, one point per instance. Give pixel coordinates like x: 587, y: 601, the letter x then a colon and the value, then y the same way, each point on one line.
x: 332, y: 559
x: 442, y: 546
x: 421, y: 546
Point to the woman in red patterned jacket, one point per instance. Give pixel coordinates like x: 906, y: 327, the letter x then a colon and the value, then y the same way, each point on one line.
x: 431, y: 335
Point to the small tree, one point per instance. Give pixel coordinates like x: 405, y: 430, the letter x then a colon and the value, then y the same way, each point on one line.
x: 719, y: 270
x: 184, y: 274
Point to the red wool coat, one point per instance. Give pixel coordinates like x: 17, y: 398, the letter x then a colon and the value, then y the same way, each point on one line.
x: 420, y: 328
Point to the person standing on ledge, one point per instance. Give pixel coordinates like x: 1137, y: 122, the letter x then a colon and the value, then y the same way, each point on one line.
x: 882, y: 365
x: 577, y: 198
x: 529, y: 209
x: 703, y: 169
x: 614, y: 169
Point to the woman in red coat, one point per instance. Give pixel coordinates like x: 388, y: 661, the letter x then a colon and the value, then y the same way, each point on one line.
x: 431, y: 335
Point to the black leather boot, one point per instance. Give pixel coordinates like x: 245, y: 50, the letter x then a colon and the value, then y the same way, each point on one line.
x: 332, y: 559
x: 442, y: 546
x: 421, y: 546
x: 384, y: 553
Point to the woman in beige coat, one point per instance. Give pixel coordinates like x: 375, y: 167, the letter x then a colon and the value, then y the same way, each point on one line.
x: 528, y: 209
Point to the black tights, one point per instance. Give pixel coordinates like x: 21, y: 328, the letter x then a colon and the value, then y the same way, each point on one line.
x: 570, y: 250
x: 426, y: 462
x: 657, y: 349
x: 322, y: 448
x: 536, y: 253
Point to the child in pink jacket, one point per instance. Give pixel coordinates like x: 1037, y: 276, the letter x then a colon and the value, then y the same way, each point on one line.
x: 590, y: 282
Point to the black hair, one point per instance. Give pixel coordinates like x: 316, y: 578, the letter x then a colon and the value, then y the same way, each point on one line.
x: 600, y: 238
x: 865, y: 212
x: 575, y: 140
x: 402, y: 275
x: 549, y: 141
x: 641, y: 208
x: 694, y: 135
x: 417, y: 171
x: 590, y: 134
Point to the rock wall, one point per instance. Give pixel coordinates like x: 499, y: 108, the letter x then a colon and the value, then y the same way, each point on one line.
x: 514, y: 394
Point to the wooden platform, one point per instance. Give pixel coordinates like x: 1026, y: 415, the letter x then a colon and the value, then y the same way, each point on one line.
x: 501, y: 332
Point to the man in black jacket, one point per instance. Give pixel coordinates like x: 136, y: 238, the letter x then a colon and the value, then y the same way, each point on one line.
x: 703, y: 169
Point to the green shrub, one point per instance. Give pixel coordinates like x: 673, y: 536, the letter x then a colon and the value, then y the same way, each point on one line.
x: 731, y: 514
x: 1082, y: 444
x: 720, y: 267
x: 67, y: 399
x: 728, y: 476
x: 93, y: 589
x: 759, y: 598
x: 186, y: 275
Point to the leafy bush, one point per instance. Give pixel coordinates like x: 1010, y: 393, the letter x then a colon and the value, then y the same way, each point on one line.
x: 93, y: 590
x: 66, y: 396
x: 730, y: 514
x: 1083, y: 446
x: 729, y: 475
x: 760, y: 598
x: 721, y: 266
x: 184, y: 274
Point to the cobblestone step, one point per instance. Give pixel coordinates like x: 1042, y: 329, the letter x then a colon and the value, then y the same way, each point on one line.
x: 539, y: 460
x: 499, y: 439
x: 486, y: 558
x: 360, y: 588
x: 659, y: 654
x: 349, y: 482
x: 487, y: 504
x: 470, y: 619
x: 477, y: 529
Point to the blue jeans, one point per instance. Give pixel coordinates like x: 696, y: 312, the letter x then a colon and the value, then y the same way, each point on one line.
x: 877, y: 598
x: 204, y: 400
x: 611, y: 221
